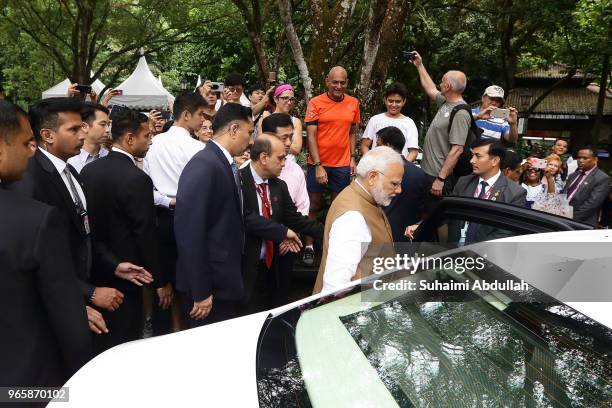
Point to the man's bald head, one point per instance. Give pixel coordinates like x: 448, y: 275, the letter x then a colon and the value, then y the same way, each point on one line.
x: 338, y: 70
x: 336, y: 81
x: 268, y: 155
x: 457, y: 81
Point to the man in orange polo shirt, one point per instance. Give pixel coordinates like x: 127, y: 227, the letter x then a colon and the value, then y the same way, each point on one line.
x: 331, y: 123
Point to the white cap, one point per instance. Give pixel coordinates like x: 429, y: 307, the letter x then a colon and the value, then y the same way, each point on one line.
x: 494, y: 91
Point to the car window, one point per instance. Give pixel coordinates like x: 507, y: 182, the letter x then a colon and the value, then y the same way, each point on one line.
x: 435, y: 348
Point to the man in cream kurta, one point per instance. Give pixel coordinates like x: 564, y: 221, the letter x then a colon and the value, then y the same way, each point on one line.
x: 356, y: 222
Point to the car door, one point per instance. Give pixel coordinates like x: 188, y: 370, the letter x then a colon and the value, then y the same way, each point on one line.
x: 447, y: 223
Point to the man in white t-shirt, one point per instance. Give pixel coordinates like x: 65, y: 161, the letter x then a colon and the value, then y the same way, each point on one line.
x: 395, y: 99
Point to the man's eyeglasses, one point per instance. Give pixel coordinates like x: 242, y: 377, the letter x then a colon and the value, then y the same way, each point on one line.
x: 395, y: 184
x: 290, y: 99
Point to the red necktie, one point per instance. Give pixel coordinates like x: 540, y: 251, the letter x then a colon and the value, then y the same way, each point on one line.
x: 262, y: 190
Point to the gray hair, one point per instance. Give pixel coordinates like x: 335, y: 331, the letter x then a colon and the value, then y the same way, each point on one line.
x: 377, y: 159
x: 457, y: 80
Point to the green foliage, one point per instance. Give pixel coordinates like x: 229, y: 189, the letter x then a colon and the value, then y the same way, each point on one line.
x: 187, y: 38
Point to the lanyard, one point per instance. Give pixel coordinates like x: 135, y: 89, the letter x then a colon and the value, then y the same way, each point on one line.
x: 486, y: 194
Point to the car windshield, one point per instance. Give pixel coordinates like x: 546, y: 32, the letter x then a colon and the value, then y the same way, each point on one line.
x: 452, y: 348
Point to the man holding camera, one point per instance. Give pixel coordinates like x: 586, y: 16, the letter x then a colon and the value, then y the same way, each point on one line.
x: 496, y: 123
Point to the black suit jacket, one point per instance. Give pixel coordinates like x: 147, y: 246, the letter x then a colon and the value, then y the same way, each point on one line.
x: 43, y: 183
x: 590, y: 196
x: 406, y: 208
x: 283, y: 212
x: 504, y: 190
x: 44, y: 335
x: 122, y: 216
x: 210, y: 228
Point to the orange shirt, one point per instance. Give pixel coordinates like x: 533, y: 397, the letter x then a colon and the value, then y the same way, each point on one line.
x: 334, y: 121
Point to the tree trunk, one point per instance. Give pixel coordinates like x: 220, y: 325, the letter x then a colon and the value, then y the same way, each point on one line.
x: 370, y: 47
x: 328, y: 26
x: 296, y: 48
x: 601, y: 98
x: 384, y: 33
x: 252, y: 21
x: 391, y: 35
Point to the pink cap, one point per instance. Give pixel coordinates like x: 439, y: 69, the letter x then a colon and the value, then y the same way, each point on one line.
x: 282, y: 88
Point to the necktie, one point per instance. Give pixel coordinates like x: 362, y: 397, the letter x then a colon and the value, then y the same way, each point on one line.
x: 92, y: 157
x: 82, y: 212
x: 75, y: 194
x: 470, y: 235
x: 575, y: 184
x: 237, y: 181
x: 262, y: 190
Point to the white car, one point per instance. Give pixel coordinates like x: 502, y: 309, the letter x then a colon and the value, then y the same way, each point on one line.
x: 360, y: 347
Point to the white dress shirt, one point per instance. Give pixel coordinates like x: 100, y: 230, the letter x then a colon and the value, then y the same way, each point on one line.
x: 258, y: 180
x: 226, y: 153
x: 80, y: 160
x: 167, y: 157
x: 60, y: 166
x: 490, y: 183
x: 349, y: 239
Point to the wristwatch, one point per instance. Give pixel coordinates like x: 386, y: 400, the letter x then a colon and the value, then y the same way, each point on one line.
x: 317, y: 164
x: 440, y: 179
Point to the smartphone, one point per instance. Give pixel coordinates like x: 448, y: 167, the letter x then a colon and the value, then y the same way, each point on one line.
x: 216, y: 86
x: 83, y: 89
x: 272, y: 78
x: 499, y: 113
x: 166, y: 114
x: 537, y: 163
x: 409, y: 54
x: 117, y: 92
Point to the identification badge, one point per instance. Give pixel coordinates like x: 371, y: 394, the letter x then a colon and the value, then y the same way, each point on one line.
x: 85, y: 219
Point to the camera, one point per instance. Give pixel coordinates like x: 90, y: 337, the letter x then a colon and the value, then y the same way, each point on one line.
x: 83, y: 89
x: 411, y: 55
x: 216, y: 86
x: 272, y: 78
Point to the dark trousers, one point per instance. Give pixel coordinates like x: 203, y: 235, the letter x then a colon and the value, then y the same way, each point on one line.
x: 221, y: 310
x: 124, y: 324
x: 431, y: 201
x: 263, y: 293
x: 162, y: 319
x: 285, y: 280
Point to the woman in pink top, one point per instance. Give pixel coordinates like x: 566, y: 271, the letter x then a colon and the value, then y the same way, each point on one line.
x: 283, y: 101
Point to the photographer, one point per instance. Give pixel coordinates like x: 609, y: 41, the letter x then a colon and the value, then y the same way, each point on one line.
x: 487, y: 116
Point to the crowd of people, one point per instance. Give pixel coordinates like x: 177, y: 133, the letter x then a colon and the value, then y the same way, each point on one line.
x: 118, y: 224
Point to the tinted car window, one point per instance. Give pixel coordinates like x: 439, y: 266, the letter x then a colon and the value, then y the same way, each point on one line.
x: 435, y: 348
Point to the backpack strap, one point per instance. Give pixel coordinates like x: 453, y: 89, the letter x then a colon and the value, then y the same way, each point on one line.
x: 462, y: 106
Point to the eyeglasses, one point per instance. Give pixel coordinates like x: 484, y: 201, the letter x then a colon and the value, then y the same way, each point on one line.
x: 290, y: 99
x: 395, y: 184
x: 533, y: 170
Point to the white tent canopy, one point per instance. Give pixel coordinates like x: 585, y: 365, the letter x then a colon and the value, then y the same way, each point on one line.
x: 61, y: 89
x: 142, y: 90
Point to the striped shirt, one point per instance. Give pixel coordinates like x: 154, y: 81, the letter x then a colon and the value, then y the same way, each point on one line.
x: 493, y: 128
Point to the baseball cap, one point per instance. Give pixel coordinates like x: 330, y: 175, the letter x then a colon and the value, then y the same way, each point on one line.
x: 494, y: 91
